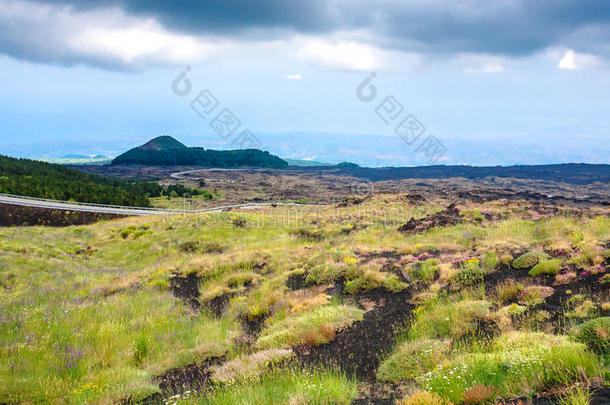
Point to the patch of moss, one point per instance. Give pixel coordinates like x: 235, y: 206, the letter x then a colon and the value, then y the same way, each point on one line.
x: 371, y: 279
x: 412, y: 359
x: 467, y: 277
x: 529, y: 259
x: 596, y: 335
x: 550, y: 267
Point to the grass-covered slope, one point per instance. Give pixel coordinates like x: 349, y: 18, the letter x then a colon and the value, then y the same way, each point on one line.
x: 316, y: 306
x: 45, y: 180
x: 166, y: 151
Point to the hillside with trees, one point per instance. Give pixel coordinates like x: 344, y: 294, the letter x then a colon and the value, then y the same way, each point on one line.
x: 45, y: 180
x: 167, y: 151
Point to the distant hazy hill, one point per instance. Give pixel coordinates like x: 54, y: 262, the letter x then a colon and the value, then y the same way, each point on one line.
x: 79, y: 160
x: 167, y: 151
x: 305, y: 163
x: 575, y: 173
x: 38, y: 179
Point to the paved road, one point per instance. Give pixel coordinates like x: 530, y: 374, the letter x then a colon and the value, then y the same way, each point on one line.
x: 69, y: 206
x: 179, y: 175
x: 129, y: 211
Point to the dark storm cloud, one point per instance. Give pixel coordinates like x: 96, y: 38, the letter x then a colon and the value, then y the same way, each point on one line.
x: 223, y: 16
x: 491, y: 26
x: 501, y: 27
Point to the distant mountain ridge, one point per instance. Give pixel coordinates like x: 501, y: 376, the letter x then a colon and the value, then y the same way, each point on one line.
x: 167, y: 151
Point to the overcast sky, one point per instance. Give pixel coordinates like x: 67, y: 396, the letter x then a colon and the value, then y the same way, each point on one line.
x: 479, y: 69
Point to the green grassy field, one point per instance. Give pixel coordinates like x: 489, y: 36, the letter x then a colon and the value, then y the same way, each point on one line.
x: 89, y: 314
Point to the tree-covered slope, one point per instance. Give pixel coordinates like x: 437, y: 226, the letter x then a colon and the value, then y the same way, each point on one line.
x: 46, y: 180
x: 166, y: 151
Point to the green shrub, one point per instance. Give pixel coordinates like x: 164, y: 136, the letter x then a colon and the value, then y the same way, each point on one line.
x: 581, y: 261
x: 508, y: 290
x: 312, y: 234
x: 596, y: 335
x: 583, y: 310
x: 441, y: 319
x: 411, y: 359
x: 424, y: 398
x: 467, y: 277
x: 249, y: 366
x: 473, y: 215
x: 139, y: 350
x: 427, y: 270
x: 513, y: 309
x: 240, y: 280
x: 160, y: 284
x: 535, y: 295
x: 287, y: 386
x: 577, y: 236
x: 227, y: 284
x: 329, y: 266
x: 506, y: 259
x: 212, y: 247
x: 139, y: 234
x: 529, y: 259
x: 190, y: 246
x: 517, y: 364
x: 238, y: 221
x: 371, y: 279
x: 311, y: 328
x: 490, y: 260
x: 550, y: 267
x: 577, y: 396
x: 258, y: 303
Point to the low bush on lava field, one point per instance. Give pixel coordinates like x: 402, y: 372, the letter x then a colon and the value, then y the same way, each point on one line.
x: 313, y: 328
x: 517, y: 364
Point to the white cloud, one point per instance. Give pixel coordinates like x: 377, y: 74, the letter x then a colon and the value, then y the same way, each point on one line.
x: 492, y: 68
x: 296, y: 76
x: 102, y: 36
x: 572, y: 60
x: 139, y: 44
x: 342, y: 55
x: 481, y: 63
x: 486, y: 68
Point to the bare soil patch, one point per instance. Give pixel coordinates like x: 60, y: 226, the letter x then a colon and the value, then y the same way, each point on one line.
x: 187, y: 289
x: 447, y: 217
x: 357, y: 349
